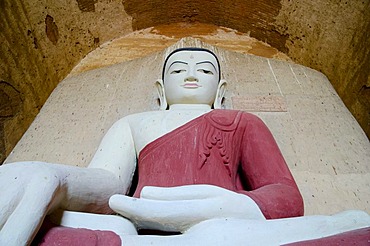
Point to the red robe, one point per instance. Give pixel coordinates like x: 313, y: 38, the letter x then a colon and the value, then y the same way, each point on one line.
x: 226, y: 148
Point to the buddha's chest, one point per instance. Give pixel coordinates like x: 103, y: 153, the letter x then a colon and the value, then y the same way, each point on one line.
x: 151, y: 127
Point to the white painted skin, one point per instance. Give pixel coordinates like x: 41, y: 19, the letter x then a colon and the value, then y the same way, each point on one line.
x: 205, y: 214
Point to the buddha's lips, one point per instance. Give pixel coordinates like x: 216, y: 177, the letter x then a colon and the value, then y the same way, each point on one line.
x: 191, y: 85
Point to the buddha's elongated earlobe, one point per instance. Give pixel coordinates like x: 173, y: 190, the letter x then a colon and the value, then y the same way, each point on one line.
x: 220, y: 94
x: 161, y: 94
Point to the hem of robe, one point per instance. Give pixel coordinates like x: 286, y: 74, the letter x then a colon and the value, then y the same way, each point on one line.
x: 51, y: 234
x: 359, y: 237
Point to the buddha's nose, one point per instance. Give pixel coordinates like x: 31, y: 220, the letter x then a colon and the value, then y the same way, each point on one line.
x: 191, y: 78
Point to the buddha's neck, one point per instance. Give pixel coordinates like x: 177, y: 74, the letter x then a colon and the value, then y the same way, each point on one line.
x: 193, y: 107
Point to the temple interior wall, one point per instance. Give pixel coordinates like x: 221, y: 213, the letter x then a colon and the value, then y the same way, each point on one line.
x: 42, y: 41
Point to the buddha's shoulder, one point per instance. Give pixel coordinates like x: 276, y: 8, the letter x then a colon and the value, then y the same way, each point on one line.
x: 214, y: 114
x: 148, y: 116
x: 224, y: 114
x: 228, y: 119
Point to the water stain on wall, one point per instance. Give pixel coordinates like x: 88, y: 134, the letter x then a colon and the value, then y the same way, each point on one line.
x: 86, y: 5
x: 254, y: 17
x: 51, y: 29
x: 10, y: 102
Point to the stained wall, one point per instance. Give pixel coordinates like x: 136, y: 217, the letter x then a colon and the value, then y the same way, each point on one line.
x: 43, y: 40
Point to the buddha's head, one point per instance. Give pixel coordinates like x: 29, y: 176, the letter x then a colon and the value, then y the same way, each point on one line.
x: 191, y: 76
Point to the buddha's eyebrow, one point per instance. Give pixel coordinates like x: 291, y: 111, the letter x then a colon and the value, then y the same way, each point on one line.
x: 177, y: 62
x: 207, y: 62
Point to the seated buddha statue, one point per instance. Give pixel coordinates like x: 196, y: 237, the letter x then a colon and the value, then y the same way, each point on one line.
x: 208, y: 175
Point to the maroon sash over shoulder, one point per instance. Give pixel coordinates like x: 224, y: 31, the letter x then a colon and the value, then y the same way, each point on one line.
x: 227, y: 148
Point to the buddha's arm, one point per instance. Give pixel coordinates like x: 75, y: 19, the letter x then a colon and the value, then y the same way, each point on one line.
x: 110, y: 171
x: 272, y: 185
x: 36, y: 188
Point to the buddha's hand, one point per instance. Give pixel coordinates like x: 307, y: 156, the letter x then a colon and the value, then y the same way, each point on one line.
x: 179, y: 208
x: 26, y: 195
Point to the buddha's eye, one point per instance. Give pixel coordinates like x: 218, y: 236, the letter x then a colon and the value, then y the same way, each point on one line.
x: 205, y: 71
x: 177, y: 71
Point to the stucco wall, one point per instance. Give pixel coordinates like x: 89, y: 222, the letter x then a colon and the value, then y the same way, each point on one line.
x: 333, y: 37
x: 41, y: 41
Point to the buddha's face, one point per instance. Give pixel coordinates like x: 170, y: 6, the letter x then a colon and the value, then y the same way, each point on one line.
x: 191, y: 77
